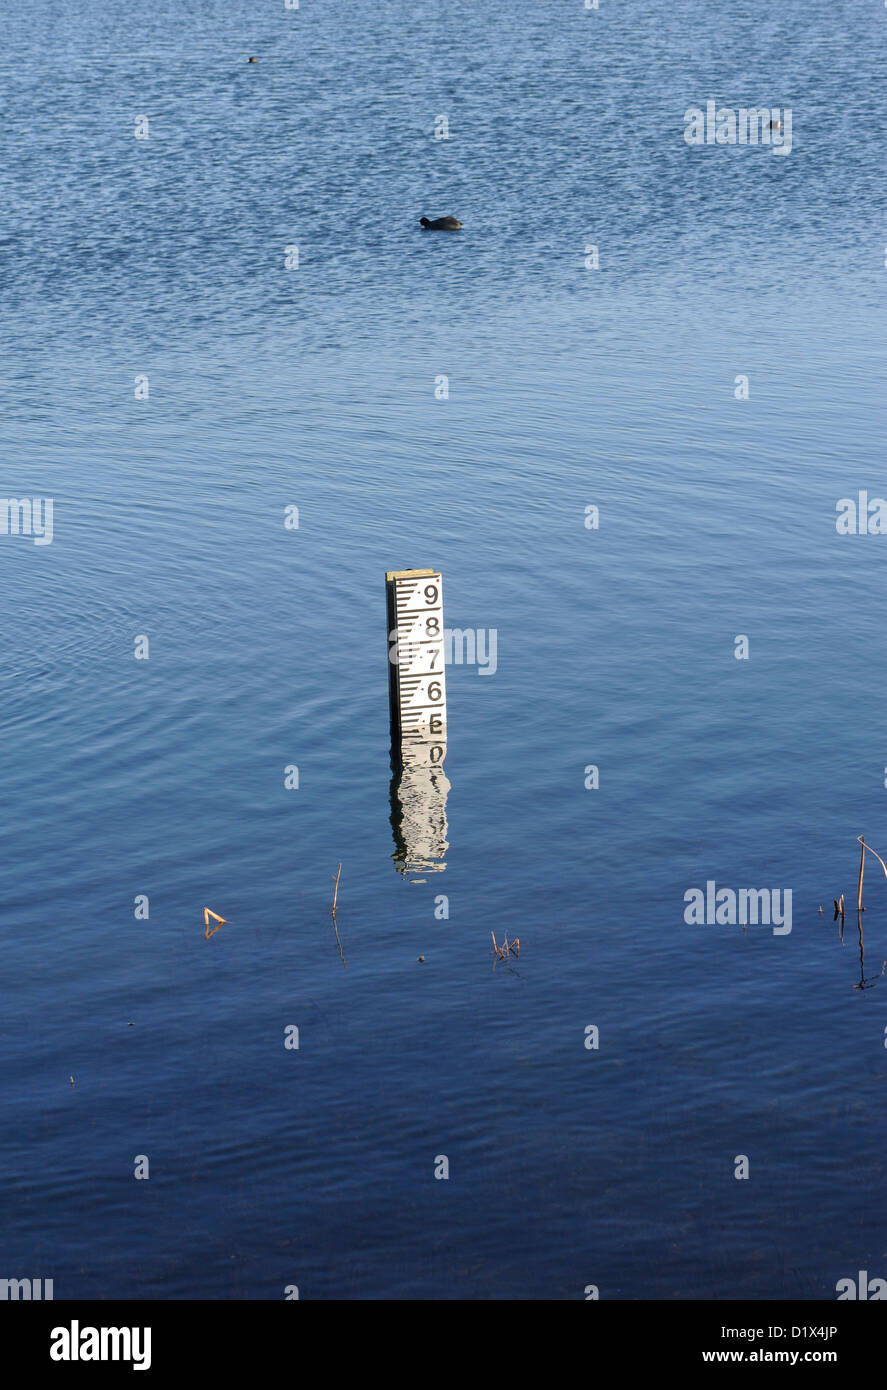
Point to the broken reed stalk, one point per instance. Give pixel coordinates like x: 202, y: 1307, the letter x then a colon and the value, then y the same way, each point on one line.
x: 333, y: 914
x: 861, y: 839
x: 507, y: 948
x: 336, y: 891
x: 839, y: 902
x: 861, y: 872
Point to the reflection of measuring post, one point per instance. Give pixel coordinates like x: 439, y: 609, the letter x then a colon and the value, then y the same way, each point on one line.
x: 416, y: 680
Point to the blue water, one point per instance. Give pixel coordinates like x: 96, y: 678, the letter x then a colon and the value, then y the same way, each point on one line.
x: 315, y: 387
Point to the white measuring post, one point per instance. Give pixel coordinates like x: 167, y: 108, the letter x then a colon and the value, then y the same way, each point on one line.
x: 416, y: 676
x: 418, y: 700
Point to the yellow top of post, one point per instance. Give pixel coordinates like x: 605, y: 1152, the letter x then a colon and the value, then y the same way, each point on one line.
x: 408, y: 574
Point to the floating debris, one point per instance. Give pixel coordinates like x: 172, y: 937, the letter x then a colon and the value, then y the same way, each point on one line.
x: 507, y: 948
x: 206, y: 916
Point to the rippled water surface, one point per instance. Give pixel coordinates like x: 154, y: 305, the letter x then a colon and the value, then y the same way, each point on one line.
x: 314, y: 387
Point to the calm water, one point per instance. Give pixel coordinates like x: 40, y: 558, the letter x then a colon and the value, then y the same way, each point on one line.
x: 315, y: 387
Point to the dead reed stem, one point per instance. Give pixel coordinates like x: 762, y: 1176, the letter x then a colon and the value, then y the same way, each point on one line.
x: 507, y: 948
x: 861, y: 839
x: 336, y: 891
x: 335, y: 923
x: 861, y: 872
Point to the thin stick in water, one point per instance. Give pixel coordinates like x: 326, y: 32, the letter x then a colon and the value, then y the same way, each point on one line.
x: 336, y: 891
x: 335, y: 923
x: 861, y: 839
x: 861, y: 872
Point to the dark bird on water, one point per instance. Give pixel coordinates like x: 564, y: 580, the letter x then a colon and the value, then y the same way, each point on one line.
x: 440, y: 224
